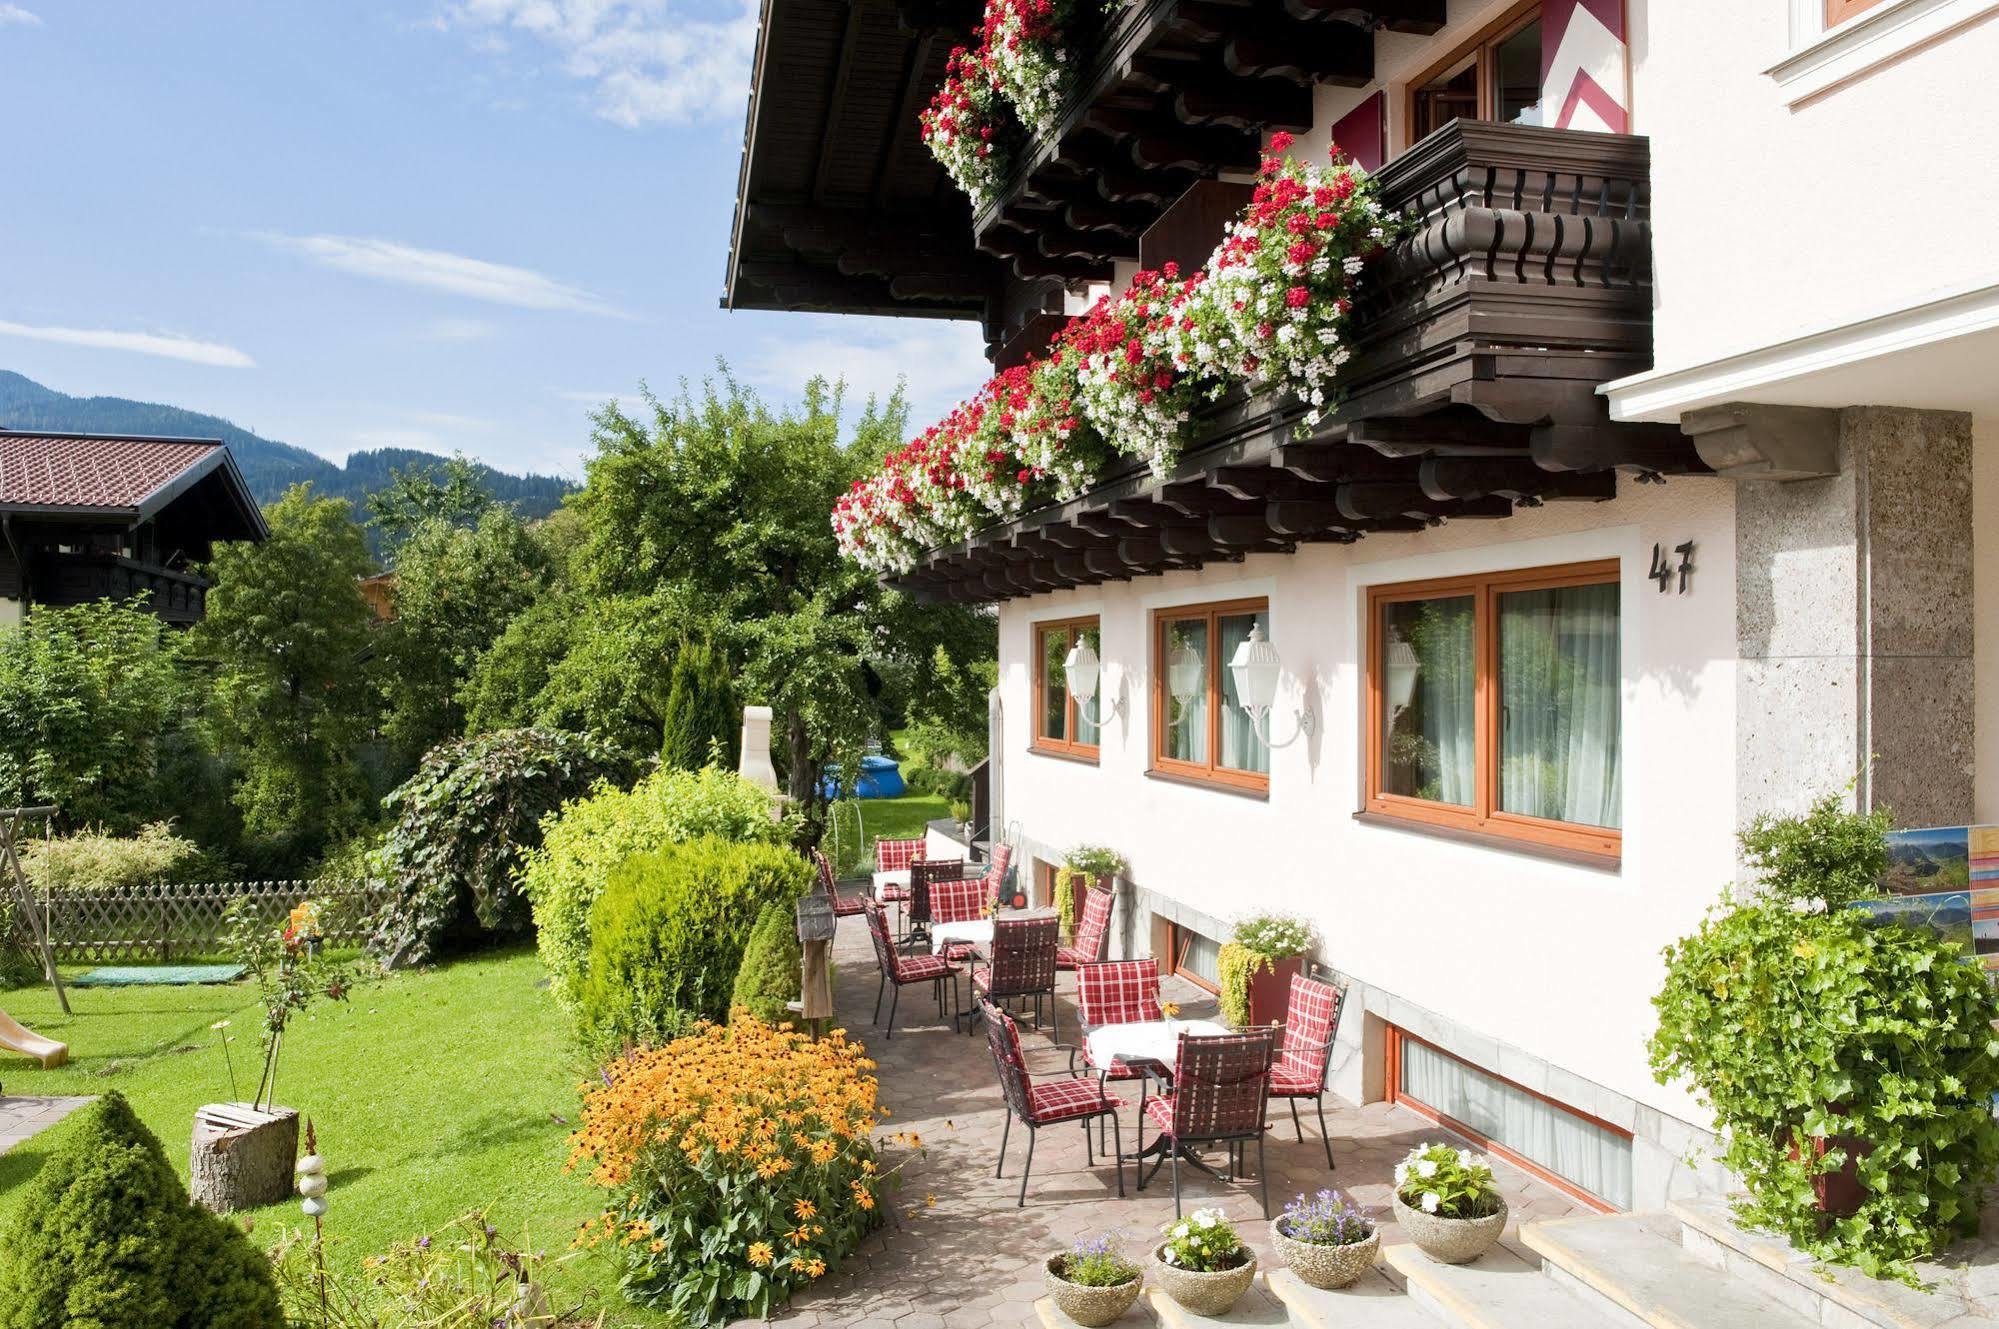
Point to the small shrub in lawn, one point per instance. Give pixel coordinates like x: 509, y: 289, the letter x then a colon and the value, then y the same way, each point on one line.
x: 739, y: 1165
x: 107, y: 1237
x: 463, y: 821
x: 769, y: 976
x: 588, y: 838
x: 668, y: 934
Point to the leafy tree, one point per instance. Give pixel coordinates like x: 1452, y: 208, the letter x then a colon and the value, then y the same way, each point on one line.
x: 88, y: 695
x: 105, y: 1236
x: 453, y: 491
x: 724, y: 502
x: 287, y: 629
x: 701, y: 718
x: 457, y: 589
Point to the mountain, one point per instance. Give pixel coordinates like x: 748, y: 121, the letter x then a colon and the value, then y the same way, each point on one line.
x: 268, y: 466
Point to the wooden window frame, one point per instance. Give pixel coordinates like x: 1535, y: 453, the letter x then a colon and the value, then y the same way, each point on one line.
x: 1394, y: 1036
x: 1178, y: 939
x: 1208, y: 772
x: 1839, y: 11
x: 1483, y: 817
x: 1062, y: 747
x: 1478, y: 47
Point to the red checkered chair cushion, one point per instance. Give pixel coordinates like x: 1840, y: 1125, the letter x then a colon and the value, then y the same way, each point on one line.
x: 995, y: 878
x: 913, y: 968
x: 895, y: 855
x: 902, y: 968
x: 959, y: 901
x: 982, y: 978
x: 1221, y: 1086
x: 1311, y: 1018
x: 1159, y: 1107
x: 844, y: 906
x: 1117, y: 992
x: 1023, y: 958
x: 1093, y: 932
x: 1065, y: 1100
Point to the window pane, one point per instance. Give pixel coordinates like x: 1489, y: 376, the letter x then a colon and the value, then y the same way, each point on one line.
x: 1592, y: 1156
x: 1199, y: 956
x: 1452, y: 97
x: 1186, y: 668
x: 1086, y: 728
x: 1559, y: 704
x: 1054, y: 685
x: 1242, y: 750
x: 1428, y: 692
x: 1516, y: 74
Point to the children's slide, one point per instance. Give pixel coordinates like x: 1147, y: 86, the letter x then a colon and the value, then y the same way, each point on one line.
x: 17, y: 1037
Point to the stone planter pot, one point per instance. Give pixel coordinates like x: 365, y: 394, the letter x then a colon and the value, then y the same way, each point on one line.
x: 1450, y: 1240
x: 1204, y: 1294
x: 1089, y: 1306
x: 1326, y: 1267
x: 1270, y: 990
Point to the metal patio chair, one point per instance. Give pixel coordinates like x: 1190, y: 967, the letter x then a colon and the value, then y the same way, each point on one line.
x: 1221, y: 1088
x: 1046, y: 1104
x: 844, y: 906
x: 1021, y: 964
x: 1311, y: 1024
x: 903, y: 970
x: 1093, y: 932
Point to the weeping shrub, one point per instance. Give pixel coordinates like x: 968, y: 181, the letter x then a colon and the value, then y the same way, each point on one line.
x: 669, y: 931
x: 582, y: 844
x: 106, y: 1237
x: 769, y: 977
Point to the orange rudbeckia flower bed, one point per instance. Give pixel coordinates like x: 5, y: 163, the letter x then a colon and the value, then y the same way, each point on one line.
x: 740, y: 1161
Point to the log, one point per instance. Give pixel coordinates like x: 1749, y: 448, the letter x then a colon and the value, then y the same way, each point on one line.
x: 241, y: 1156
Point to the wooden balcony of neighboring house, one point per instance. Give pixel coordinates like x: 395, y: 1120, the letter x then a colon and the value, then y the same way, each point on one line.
x: 88, y: 575
x: 1479, y: 341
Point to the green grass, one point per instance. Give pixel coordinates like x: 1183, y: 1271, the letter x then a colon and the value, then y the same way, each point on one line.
x: 901, y: 818
x: 433, y: 1093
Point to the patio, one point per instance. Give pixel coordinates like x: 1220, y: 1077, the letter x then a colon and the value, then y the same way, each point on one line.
x: 959, y: 1255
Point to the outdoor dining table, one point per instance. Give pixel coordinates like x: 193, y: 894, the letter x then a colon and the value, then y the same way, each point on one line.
x: 1154, y: 1047
x: 884, y: 880
x: 977, y: 931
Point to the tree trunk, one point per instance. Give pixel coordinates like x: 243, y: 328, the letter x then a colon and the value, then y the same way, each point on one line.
x: 241, y: 1157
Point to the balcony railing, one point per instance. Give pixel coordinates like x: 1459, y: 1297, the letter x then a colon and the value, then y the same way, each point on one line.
x: 79, y: 578
x: 1479, y: 342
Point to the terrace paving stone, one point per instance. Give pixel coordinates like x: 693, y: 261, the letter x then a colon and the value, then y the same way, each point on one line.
x: 23, y: 1117
x: 958, y: 1254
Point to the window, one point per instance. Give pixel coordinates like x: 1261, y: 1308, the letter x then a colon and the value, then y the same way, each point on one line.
x: 1839, y: 11
x: 1199, y: 731
x: 1495, y: 705
x: 1192, y: 956
x: 1060, y: 724
x: 1582, y: 1155
x: 1497, y: 76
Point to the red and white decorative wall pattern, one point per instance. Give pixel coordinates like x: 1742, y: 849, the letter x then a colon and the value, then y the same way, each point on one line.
x: 1585, y: 81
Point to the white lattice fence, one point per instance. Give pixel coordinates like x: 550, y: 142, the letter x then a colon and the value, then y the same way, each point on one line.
x: 163, y: 922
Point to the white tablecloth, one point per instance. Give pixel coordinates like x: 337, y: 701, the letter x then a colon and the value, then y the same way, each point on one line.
x: 1148, y: 1040
x: 899, y: 877
x: 978, y: 931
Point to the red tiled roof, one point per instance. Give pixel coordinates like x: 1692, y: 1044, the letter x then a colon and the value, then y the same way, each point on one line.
x: 80, y: 471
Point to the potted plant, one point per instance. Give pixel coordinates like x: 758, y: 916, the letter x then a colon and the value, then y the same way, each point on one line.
x: 1448, y: 1203
x: 1328, y: 1241
x: 1202, y: 1264
x: 1082, y: 868
x: 1093, y: 1282
x: 1256, y: 966
x: 961, y: 812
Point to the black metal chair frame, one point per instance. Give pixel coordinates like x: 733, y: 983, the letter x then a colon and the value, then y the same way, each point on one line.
x: 1319, y: 1098
x: 1235, y: 1140
x: 999, y: 994
x: 1013, y: 1088
x: 886, y: 956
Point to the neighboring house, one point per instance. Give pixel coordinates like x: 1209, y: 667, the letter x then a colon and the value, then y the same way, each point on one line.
x: 1664, y: 491
x: 380, y: 593
x: 99, y: 516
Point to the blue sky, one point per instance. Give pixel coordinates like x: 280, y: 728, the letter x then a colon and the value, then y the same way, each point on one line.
x: 445, y: 224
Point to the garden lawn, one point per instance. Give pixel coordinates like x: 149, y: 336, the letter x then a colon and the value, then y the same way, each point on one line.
x: 902, y: 818
x: 433, y: 1093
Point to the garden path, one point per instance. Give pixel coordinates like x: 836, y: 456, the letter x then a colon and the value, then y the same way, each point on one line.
x: 22, y: 1116
x: 959, y: 1255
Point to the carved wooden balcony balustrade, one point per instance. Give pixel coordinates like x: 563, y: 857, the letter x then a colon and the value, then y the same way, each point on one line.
x: 1479, y: 342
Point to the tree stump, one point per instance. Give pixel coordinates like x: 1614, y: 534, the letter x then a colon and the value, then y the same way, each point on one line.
x: 241, y: 1156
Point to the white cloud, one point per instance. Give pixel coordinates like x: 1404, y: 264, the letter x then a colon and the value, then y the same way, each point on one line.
x: 164, y: 345
x: 938, y: 367
x: 435, y: 269
x: 458, y: 330
x: 646, y: 61
x: 14, y: 16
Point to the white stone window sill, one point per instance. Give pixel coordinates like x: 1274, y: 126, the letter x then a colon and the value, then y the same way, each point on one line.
x: 1868, y: 40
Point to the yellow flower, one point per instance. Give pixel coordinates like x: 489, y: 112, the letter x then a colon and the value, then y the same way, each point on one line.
x: 863, y: 1197
x: 1169, y: 1009
x: 804, y: 1208
x: 814, y: 1267
x: 759, y: 1253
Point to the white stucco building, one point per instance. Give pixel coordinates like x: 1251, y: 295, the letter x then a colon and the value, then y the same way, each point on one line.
x: 1665, y: 492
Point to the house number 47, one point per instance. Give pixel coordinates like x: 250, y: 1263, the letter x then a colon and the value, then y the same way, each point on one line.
x: 1663, y: 570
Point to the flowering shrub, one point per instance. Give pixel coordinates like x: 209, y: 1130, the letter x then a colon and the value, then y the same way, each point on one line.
x: 1026, y: 56
x: 1327, y: 1219
x: 740, y: 1162
x: 1097, y: 1261
x: 1447, y: 1182
x: 1280, y: 286
x: 1132, y: 387
x: 1278, y: 936
x: 1041, y: 411
x: 918, y: 499
x: 964, y: 125
x: 1202, y: 1243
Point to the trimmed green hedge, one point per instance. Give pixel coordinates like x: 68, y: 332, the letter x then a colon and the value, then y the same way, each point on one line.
x: 669, y: 931
x: 769, y: 977
x: 107, y: 1238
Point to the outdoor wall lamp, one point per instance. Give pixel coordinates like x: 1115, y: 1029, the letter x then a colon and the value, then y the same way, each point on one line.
x: 1083, y: 670
x: 1255, y: 667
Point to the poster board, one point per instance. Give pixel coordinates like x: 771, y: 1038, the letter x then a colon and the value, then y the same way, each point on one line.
x: 1945, y: 878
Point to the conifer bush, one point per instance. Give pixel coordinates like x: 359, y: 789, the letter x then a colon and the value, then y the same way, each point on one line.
x: 106, y: 1237
x: 769, y: 979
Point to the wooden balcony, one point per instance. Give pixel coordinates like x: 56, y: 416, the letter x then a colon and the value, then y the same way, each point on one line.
x: 80, y: 578
x: 1480, y: 341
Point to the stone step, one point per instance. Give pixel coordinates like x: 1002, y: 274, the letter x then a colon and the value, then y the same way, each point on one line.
x: 1963, y: 1292
x: 1375, y: 1301
x: 1257, y: 1308
x: 1632, y: 1265
x: 1502, y: 1289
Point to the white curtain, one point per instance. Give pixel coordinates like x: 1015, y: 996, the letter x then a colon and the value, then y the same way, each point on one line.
x: 1433, y: 732
x: 1187, y: 732
x: 1242, y: 750
x: 1559, y: 684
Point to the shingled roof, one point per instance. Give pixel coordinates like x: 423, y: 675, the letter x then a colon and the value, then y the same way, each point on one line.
x: 117, y: 475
